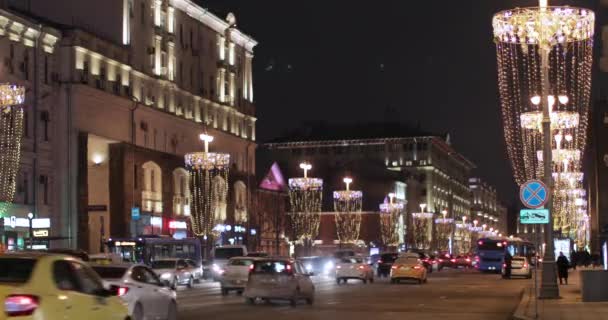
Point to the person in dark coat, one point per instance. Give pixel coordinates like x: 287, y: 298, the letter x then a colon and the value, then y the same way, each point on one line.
x: 562, y: 268
x: 574, y: 259
x: 508, y: 264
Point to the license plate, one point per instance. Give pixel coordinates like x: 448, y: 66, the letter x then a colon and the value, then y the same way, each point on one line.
x: 405, y: 268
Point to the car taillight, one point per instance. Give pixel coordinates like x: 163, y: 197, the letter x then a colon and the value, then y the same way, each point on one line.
x: 480, y: 243
x: 417, y: 267
x: 361, y: 267
x: 453, y: 260
x: 525, y: 265
x: 250, y: 268
x: 504, y: 265
x: 289, y: 269
x: 379, y: 261
x: 122, y: 291
x: 476, y: 258
x: 440, y: 260
x: 468, y: 260
x: 20, y: 305
x: 394, y: 267
x: 338, y: 267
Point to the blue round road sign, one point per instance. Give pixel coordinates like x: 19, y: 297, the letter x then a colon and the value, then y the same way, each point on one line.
x: 534, y: 194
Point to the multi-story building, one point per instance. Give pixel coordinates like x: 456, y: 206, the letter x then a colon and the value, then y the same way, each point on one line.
x: 484, y: 208
x: 135, y: 84
x: 28, y: 54
x: 502, y: 213
x: 381, y: 158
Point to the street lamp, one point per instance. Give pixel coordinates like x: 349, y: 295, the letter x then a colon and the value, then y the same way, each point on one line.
x: 391, y: 196
x: 206, y: 139
x: 30, y: 217
x: 422, y: 206
x: 444, y: 213
x: 348, y: 181
x: 306, y: 166
x: 484, y: 226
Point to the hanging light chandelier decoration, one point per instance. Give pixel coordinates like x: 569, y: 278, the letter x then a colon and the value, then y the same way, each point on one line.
x: 444, y: 228
x: 12, y: 98
x: 305, y: 198
x: 563, y: 37
x: 209, y: 188
x: 462, y: 236
x: 423, y: 228
x: 347, y: 205
x: 389, y: 220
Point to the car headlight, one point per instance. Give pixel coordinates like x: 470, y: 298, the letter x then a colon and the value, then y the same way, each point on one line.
x: 215, y: 268
x: 328, y: 266
x: 166, y: 275
x: 308, y: 267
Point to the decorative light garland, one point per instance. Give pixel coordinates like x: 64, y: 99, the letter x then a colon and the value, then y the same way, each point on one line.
x: 347, y: 206
x: 305, y: 198
x: 444, y: 228
x: 423, y: 228
x: 389, y: 221
x: 11, y: 133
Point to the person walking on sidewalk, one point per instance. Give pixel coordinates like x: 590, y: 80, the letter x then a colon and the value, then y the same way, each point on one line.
x: 562, y: 268
x: 508, y: 265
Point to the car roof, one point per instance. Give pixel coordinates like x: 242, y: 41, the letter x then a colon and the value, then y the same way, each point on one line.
x: 281, y: 259
x: 117, y: 265
x: 410, y: 255
x: 169, y: 259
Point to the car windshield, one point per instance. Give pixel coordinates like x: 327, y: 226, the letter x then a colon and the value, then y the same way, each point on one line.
x: 240, y: 262
x: 271, y: 267
x: 163, y: 264
x: 407, y: 260
x: 16, y: 270
x: 389, y: 257
x: 227, y: 253
x: 110, y: 272
x: 351, y: 260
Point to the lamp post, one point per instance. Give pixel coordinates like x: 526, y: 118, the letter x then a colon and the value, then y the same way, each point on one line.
x: 347, y: 181
x: 306, y: 166
x: 30, y: 217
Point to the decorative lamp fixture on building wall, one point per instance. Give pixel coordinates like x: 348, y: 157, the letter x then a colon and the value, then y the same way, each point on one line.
x: 347, y: 206
x: 209, y: 188
x: 11, y: 131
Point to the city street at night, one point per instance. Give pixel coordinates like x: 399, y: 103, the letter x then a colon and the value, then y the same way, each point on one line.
x: 449, y: 294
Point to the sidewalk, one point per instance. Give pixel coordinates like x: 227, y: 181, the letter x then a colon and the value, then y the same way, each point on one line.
x: 569, y: 307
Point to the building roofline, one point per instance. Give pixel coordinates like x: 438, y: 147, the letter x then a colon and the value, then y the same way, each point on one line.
x: 214, y: 22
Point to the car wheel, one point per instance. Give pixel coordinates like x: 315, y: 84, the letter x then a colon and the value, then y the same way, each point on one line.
x: 239, y: 292
x: 250, y: 301
x: 198, y: 280
x: 419, y: 281
x: 224, y: 292
x: 425, y: 280
x: 310, y: 300
x: 293, y: 303
x: 172, y: 312
x: 138, y: 312
x: 371, y: 280
x: 190, y: 282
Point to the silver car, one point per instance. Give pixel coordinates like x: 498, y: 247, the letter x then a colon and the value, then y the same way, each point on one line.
x: 280, y: 279
x: 174, y: 272
x: 236, y: 274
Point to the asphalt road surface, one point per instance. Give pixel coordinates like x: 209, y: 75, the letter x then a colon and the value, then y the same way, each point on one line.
x: 449, y: 294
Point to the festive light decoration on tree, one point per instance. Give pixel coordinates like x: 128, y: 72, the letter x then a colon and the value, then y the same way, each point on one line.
x: 389, y: 220
x: 423, y: 228
x: 209, y: 187
x: 305, y: 198
x: 525, y: 39
x: 462, y: 237
x: 444, y: 228
x: 11, y: 132
x: 347, y: 205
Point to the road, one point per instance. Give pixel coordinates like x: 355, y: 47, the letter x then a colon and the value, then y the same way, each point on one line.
x: 449, y: 294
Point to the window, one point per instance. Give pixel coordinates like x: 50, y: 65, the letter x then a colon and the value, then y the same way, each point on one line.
x: 152, y: 181
x: 151, y: 277
x: 63, y: 276
x: 191, y: 39
x: 45, y: 118
x: 16, y: 270
x: 181, y: 72
x: 110, y: 272
x: 181, y: 264
x: 89, y: 281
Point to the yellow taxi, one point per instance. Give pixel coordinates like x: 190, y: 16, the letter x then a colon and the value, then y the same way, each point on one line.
x: 408, y: 267
x: 46, y: 286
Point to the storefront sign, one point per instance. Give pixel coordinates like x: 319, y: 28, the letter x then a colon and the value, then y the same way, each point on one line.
x: 135, y: 213
x: 174, y: 224
x: 38, y: 223
x: 124, y: 244
x: 43, y: 233
x: 156, y: 222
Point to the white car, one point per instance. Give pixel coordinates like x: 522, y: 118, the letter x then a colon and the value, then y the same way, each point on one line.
x: 141, y: 289
x: 174, y: 272
x: 222, y: 254
x: 235, y: 274
x: 519, y: 268
x: 280, y: 279
x: 353, y: 268
x: 198, y: 270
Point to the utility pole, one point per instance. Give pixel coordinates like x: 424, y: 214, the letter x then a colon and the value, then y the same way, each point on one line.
x: 548, y: 286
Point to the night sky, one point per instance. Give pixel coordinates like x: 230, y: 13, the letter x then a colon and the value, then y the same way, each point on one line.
x: 427, y: 63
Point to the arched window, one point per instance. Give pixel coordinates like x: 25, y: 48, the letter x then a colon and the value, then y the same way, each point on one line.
x: 152, y: 195
x: 240, y: 202
x: 181, y: 192
x: 219, y: 188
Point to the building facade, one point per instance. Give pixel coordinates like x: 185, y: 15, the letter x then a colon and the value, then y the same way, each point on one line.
x: 485, y: 205
x: 136, y: 82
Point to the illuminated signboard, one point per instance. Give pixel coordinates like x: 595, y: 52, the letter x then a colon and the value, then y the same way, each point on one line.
x: 124, y: 243
x: 38, y: 223
x: 41, y: 233
x: 156, y: 221
x: 173, y: 224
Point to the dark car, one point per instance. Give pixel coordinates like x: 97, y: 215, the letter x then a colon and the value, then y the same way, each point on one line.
x: 446, y: 260
x: 464, y: 261
x: 385, y: 263
x: 80, y: 254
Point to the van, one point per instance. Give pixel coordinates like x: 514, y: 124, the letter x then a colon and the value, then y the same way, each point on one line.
x: 222, y: 254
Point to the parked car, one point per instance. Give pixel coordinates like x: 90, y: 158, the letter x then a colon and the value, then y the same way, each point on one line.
x: 174, y: 272
x: 137, y: 285
x: 385, y: 263
x: 354, y: 268
x: 236, y: 274
x: 519, y: 268
x: 281, y: 278
x: 408, y: 267
x: 46, y: 286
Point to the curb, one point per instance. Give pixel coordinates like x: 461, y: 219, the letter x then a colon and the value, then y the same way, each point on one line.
x: 520, y: 311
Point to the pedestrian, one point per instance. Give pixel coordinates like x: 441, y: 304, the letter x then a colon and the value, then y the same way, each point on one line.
x: 574, y: 259
x: 562, y: 268
x: 586, y: 258
x: 508, y: 263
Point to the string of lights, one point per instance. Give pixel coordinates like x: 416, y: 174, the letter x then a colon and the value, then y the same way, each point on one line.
x: 347, y: 207
x: 11, y: 133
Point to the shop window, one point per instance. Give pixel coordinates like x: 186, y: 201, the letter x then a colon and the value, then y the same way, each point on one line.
x: 181, y: 192
x: 152, y: 188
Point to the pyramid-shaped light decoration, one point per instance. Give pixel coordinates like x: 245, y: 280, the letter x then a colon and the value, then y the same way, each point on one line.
x: 209, y: 188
